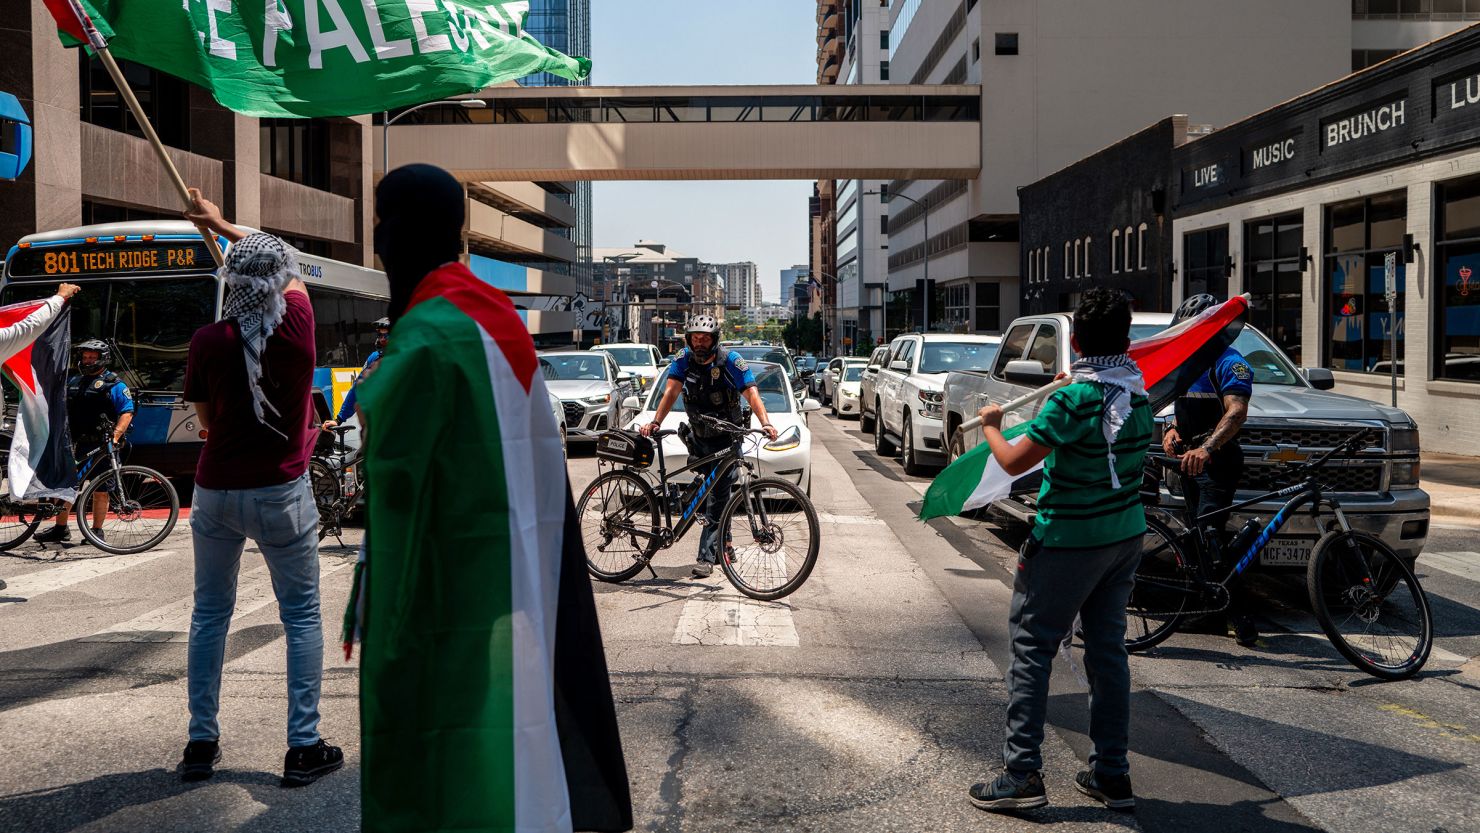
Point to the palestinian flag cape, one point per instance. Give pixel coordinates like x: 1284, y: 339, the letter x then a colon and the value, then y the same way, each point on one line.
x: 1170, y: 362
x: 484, y: 697
x: 36, y: 349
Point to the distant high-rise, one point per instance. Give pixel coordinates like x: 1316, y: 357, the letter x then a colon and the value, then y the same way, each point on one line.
x: 742, y: 284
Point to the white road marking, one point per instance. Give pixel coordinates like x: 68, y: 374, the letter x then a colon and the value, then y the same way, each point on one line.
x: 1463, y: 564
x: 171, y: 622
x: 826, y: 518
x: 725, y: 618
x: 66, y: 574
x: 1297, y: 625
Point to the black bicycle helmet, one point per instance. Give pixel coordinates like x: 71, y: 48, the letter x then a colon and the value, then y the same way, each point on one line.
x: 105, y: 354
x: 1194, y: 306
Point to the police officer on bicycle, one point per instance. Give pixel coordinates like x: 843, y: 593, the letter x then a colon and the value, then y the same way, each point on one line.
x: 1204, y: 435
x: 94, y: 394
x: 712, y: 380
x: 347, y: 410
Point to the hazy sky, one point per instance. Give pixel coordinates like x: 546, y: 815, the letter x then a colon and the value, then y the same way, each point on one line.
x: 707, y: 42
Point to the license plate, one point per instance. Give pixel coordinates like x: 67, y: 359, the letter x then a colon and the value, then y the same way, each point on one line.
x: 1287, y: 552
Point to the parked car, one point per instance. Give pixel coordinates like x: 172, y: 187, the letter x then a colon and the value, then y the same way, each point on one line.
x: 789, y: 457
x: 1293, y: 416
x: 834, y: 378
x: 557, y: 408
x: 828, y: 372
x: 845, y: 401
x: 643, y: 361
x: 591, y: 387
x: 775, y: 355
x: 866, y: 384
x: 814, y: 384
x: 908, y: 392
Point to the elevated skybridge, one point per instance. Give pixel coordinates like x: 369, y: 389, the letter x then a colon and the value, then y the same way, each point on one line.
x: 699, y: 133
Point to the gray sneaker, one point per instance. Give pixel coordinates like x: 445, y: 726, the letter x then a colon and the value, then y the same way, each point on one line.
x: 1010, y: 791
x: 703, y: 569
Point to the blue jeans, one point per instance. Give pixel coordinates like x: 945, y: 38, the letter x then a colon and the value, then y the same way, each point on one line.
x: 718, y: 497
x: 283, y: 520
x: 1051, y: 586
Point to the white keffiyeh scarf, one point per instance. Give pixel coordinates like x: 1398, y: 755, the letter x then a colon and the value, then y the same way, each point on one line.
x: 1119, y: 379
x: 257, y: 269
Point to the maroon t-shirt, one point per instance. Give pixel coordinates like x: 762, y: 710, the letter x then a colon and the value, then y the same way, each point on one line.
x: 240, y: 452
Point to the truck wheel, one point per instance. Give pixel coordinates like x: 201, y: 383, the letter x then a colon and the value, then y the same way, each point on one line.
x: 910, y: 458
x: 883, y: 446
x: 865, y: 422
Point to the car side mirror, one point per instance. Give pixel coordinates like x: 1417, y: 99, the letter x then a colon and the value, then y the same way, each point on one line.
x: 1320, y: 378
x: 1027, y: 372
x: 902, y: 366
x: 632, y: 403
x: 625, y: 378
x: 809, y: 405
x: 664, y: 362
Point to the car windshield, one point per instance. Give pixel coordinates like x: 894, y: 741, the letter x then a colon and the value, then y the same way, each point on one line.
x: 769, y: 380
x: 631, y: 356
x: 1270, y: 365
x: 765, y: 353
x: 569, y: 367
x: 950, y: 356
x: 852, y: 373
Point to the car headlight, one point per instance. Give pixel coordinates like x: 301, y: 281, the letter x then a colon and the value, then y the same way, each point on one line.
x: 1404, y: 439
x: 598, y: 400
x: 930, y: 402
x: 1405, y: 475
x: 789, y: 439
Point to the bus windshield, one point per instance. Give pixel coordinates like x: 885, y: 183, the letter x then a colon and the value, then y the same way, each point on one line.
x: 150, y: 322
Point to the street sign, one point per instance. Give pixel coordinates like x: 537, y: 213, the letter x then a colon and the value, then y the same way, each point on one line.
x: 1390, y: 278
x: 1390, y: 275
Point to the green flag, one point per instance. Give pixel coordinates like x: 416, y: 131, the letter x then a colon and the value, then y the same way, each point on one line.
x: 270, y: 58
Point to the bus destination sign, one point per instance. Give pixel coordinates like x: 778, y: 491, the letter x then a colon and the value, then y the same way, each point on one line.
x: 86, y: 259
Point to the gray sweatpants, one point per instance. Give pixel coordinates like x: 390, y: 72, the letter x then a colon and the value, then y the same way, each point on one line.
x: 1051, y: 586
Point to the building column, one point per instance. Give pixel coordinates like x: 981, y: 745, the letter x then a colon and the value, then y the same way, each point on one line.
x: 56, y: 161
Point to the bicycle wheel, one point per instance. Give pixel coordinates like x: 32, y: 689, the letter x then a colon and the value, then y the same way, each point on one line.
x: 1370, y: 605
x: 614, y: 512
x: 325, y: 486
x: 1165, y: 587
x: 142, y: 510
x: 17, y: 522
x: 775, y: 538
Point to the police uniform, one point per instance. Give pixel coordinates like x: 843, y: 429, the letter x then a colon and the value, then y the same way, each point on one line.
x: 712, y: 389
x: 1198, y: 413
x: 91, y: 398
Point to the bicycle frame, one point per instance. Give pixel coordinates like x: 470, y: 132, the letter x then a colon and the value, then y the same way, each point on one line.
x: 725, y: 461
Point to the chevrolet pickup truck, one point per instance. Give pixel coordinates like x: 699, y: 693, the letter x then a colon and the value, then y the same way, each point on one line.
x: 1293, y: 415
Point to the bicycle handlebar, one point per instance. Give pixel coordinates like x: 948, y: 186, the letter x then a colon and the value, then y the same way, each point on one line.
x: 727, y: 426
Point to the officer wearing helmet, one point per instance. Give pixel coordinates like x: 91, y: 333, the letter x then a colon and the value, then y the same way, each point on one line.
x: 1204, y: 435
x: 711, y: 380
x: 347, y: 410
x: 95, y: 395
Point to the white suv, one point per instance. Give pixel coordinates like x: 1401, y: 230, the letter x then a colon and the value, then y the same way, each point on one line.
x: 907, y: 392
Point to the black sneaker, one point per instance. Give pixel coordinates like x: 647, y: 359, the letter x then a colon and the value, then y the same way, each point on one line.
x: 304, y: 765
x: 1245, y: 632
x: 99, y: 534
x: 1113, y: 791
x: 1010, y: 792
x: 55, y: 535
x: 703, y: 569
x: 199, y: 761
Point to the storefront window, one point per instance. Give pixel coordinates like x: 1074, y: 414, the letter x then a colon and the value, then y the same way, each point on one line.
x: 1457, y: 330
x: 1359, y: 237
x: 988, y: 307
x: 1205, y: 256
x: 1272, y: 277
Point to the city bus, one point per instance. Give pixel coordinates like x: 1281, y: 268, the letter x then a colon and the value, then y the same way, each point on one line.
x: 148, y: 286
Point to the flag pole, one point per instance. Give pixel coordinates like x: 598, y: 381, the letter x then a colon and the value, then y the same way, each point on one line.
x: 1022, y: 401
x: 133, y: 105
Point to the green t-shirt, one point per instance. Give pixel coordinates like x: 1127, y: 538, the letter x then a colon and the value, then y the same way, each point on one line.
x: 1078, y: 507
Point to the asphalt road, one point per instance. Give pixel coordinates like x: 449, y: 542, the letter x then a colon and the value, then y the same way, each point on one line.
x: 871, y: 699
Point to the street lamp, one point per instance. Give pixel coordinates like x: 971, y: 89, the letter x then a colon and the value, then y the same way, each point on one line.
x: 925, y: 301
x: 385, y: 136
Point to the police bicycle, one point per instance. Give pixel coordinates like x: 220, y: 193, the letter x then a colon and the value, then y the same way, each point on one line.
x: 1365, y: 596
x: 142, y: 504
x: 771, y: 540
x: 337, y: 480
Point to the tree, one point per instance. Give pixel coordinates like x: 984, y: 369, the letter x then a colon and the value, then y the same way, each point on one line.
x: 804, y: 335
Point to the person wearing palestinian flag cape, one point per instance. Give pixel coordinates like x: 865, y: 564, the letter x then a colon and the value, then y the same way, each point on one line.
x: 484, y: 696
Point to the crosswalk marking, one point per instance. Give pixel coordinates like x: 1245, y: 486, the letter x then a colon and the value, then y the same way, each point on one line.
x: 826, y: 518
x: 171, y: 622
x: 1462, y: 564
x: 62, y: 576
x: 722, y: 617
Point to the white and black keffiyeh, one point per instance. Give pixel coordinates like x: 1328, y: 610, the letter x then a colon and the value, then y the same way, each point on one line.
x: 1120, y: 379
x: 257, y: 269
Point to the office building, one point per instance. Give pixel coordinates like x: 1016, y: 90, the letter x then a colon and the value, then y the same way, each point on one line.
x: 648, y: 279
x: 742, y: 284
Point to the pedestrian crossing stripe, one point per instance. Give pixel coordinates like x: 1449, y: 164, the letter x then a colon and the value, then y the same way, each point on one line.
x: 63, y: 576
x: 1465, y: 565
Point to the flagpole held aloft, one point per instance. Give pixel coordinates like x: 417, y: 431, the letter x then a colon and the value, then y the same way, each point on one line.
x: 1021, y: 402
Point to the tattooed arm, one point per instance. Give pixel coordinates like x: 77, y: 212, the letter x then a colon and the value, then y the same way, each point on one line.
x: 1235, y: 413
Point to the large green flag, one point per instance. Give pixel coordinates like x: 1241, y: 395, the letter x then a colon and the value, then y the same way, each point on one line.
x: 270, y: 58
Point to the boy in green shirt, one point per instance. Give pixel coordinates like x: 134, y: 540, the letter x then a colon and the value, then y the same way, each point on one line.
x: 1081, y: 556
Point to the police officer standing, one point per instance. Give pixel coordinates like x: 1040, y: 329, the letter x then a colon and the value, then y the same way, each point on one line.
x: 347, y: 410
x: 93, y: 395
x: 1204, y: 434
x: 711, y: 380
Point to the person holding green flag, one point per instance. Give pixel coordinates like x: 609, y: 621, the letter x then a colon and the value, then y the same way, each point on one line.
x: 484, y: 697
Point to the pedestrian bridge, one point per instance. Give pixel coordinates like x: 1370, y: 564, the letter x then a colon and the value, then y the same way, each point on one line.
x: 700, y: 133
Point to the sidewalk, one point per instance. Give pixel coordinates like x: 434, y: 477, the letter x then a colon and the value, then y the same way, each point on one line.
x: 1453, y: 484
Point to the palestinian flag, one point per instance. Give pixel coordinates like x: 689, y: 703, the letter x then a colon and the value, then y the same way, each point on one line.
x: 484, y: 696
x: 37, y: 350
x: 1170, y: 361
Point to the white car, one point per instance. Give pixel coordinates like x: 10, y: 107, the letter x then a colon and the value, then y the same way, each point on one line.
x: 591, y: 388
x: 641, y: 360
x: 788, y: 458
x: 836, y: 370
x: 908, y: 392
x: 845, y: 402
x: 557, y: 409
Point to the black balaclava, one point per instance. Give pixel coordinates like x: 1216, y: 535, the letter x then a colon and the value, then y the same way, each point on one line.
x: 419, y: 213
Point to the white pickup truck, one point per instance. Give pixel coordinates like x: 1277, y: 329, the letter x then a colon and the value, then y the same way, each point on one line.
x: 907, y: 393
x: 1292, y: 415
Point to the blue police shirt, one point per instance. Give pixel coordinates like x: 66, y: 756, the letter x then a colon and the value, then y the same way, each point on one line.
x: 733, y: 368
x: 347, y: 409
x: 1201, y: 407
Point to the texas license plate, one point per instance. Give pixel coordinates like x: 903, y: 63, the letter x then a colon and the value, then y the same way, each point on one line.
x: 1286, y: 552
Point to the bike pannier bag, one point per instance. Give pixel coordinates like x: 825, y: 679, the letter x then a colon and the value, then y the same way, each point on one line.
x: 626, y: 447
